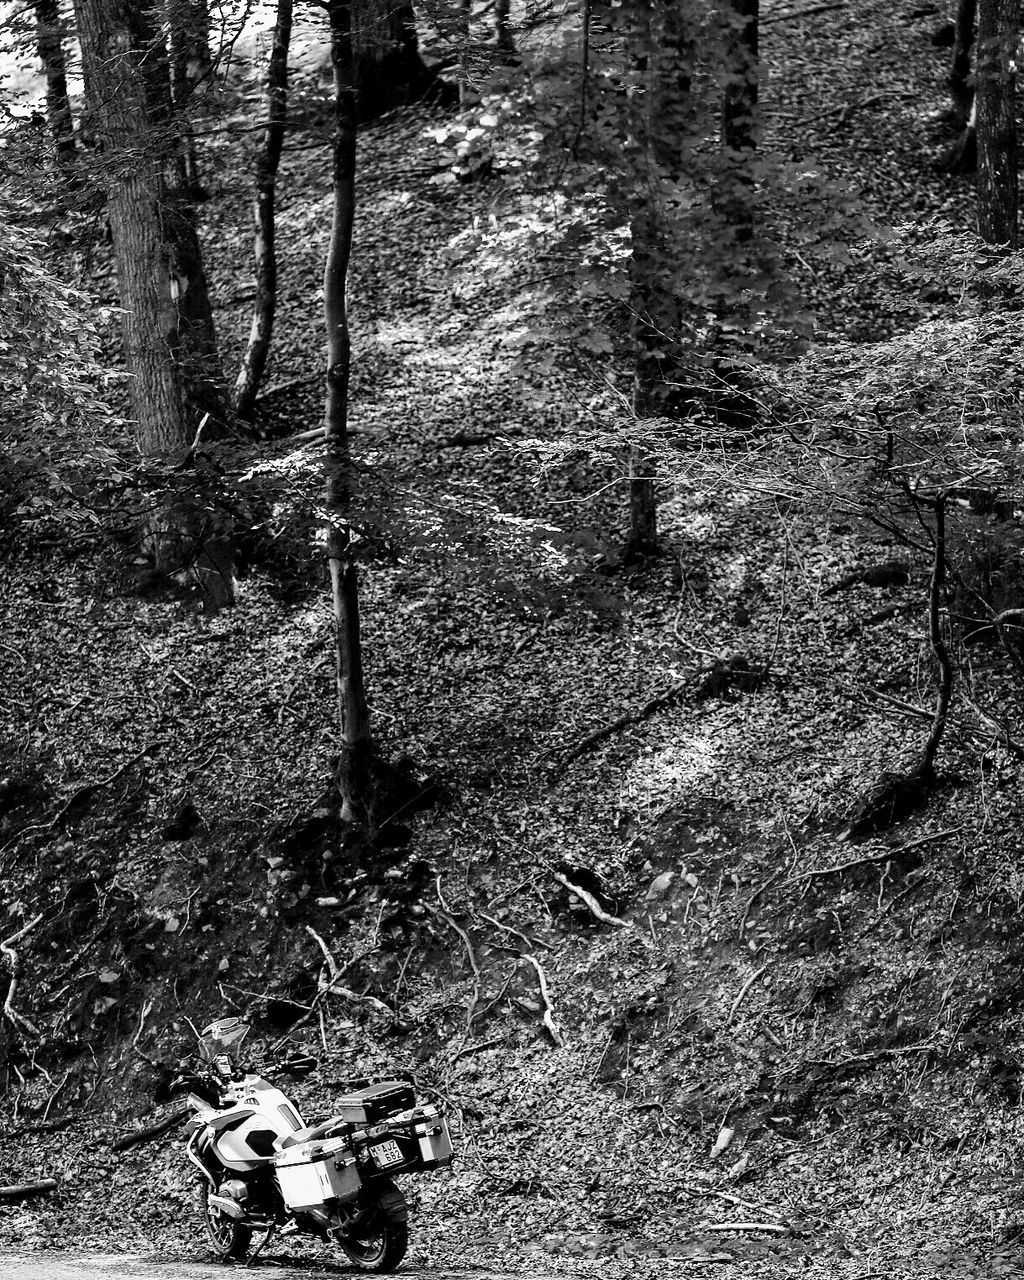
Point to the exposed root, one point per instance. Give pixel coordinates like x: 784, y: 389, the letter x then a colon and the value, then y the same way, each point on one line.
x: 548, y: 1017
x: 443, y: 914
x: 17, y: 1020
x: 591, y: 903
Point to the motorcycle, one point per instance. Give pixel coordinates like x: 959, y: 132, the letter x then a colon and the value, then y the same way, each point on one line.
x: 262, y: 1169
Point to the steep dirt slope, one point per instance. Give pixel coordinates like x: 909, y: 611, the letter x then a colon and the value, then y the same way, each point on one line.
x: 827, y: 1054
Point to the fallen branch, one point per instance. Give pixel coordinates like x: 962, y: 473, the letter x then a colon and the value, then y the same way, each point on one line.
x: 795, y: 14
x: 885, y: 856
x: 998, y: 729
x: 467, y: 943
x: 17, y: 1020
x: 744, y: 989
x: 548, y: 1017
x: 591, y: 903
x: 22, y: 1190
x: 775, y: 1228
x: 151, y: 1132
x: 626, y: 721
x: 730, y: 1199
x: 279, y: 388
x: 470, y: 1049
x: 754, y: 897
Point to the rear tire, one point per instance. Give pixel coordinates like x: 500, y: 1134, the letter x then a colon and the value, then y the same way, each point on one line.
x: 229, y: 1238
x: 380, y: 1244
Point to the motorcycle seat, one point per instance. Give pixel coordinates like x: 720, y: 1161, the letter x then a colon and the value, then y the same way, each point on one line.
x: 310, y: 1133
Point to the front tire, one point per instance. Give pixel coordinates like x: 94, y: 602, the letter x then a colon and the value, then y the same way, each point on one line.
x: 229, y: 1238
x: 380, y: 1243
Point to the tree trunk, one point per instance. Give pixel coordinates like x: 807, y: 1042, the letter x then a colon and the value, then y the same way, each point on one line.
x: 662, y: 53
x: 255, y: 359
x: 740, y: 121
x: 167, y: 325
x: 388, y: 69
x: 960, y: 88
x: 189, y: 48
x: 996, y: 121
x: 49, y: 45
x: 503, y: 41
x: 356, y: 744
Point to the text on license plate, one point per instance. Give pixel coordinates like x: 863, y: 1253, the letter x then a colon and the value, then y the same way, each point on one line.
x: 386, y: 1154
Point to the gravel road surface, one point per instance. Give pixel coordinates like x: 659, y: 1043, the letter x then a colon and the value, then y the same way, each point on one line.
x: 140, y: 1266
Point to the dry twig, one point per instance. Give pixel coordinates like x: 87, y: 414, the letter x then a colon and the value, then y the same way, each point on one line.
x: 744, y: 989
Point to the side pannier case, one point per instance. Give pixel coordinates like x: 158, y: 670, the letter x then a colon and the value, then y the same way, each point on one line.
x: 413, y: 1143
x: 430, y: 1130
x: 312, y: 1173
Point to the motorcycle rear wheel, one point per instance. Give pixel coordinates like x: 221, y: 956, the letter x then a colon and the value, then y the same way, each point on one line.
x: 381, y: 1243
x: 229, y: 1238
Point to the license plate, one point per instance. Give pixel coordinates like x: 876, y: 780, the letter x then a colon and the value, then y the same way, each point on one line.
x: 386, y: 1154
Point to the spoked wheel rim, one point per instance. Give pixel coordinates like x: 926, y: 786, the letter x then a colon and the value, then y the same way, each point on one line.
x: 379, y: 1247
x: 368, y: 1249
x: 229, y: 1240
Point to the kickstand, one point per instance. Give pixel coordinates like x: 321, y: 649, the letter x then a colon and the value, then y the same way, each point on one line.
x: 261, y: 1246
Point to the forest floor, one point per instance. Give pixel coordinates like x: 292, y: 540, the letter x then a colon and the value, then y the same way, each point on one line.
x: 815, y: 1039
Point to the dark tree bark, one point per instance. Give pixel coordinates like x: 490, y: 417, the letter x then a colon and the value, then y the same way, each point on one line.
x: 189, y: 50
x: 996, y: 100
x: 960, y: 88
x: 503, y: 40
x: 740, y: 120
x: 255, y: 359
x: 663, y: 52
x: 388, y: 69
x: 50, y: 47
x: 167, y: 325
x: 355, y: 766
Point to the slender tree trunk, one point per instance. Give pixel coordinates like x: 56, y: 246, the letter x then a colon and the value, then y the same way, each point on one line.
x: 355, y: 767
x: 998, y: 34
x: 740, y: 120
x: 960, y: 88
x: 167, y: 326
x: 662, y: 52
x: 189, y: 50
x: 255, y: 359
x: 503, y: 41
x: 49, y: 45
x: 465, y: 22
x: 936, y: 591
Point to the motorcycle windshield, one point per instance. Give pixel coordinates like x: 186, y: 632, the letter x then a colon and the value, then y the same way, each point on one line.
x: 222, y: 1037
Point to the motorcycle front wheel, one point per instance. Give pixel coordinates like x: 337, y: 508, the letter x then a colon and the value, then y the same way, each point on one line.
x: 380, y: 1243
x: 229, y: 1238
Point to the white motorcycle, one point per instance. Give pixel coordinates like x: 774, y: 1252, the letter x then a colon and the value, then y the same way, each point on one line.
x: 263, y: 1170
